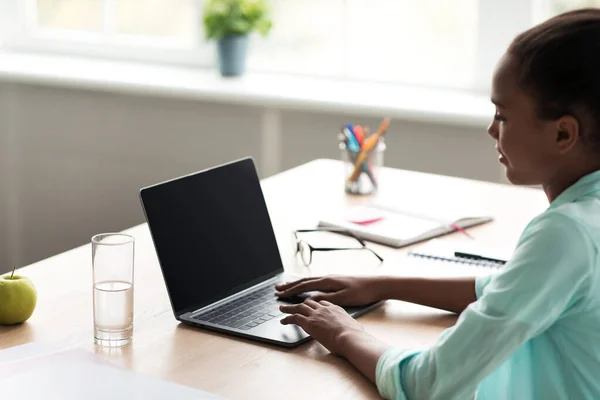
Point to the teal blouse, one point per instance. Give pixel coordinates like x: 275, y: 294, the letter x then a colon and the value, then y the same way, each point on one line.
x: 534, y: 331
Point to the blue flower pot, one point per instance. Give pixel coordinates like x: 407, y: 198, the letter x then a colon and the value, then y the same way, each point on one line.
x: 232, y: 55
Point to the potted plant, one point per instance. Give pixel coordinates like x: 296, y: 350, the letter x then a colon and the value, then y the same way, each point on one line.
x: 230, y: 22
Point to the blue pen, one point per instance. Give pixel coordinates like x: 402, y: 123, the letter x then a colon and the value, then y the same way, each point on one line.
x: 350, y: 127
x: 353, y: 145
x: 354, y: 148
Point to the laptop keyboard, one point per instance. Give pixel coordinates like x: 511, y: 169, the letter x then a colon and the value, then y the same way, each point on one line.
x: 246, y: 312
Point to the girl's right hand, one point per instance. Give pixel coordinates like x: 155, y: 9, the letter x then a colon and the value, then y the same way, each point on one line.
x: 340, y: 290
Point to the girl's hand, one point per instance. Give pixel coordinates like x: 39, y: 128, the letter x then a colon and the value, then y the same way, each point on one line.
x: 340, y: 290
x: 324, y: 321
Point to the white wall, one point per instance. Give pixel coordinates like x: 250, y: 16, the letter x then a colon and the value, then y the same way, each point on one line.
x: 446, y: 150
x: 4, y: 261
x: 74, y: 160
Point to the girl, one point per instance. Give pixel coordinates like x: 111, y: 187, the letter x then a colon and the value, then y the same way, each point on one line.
x: 531, y: 331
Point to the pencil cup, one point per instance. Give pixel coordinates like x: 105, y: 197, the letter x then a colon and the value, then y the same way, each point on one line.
x: 363, y: 179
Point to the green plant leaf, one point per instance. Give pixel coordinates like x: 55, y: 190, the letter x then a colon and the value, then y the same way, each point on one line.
x: 236, y: 17
x: 264, y: 27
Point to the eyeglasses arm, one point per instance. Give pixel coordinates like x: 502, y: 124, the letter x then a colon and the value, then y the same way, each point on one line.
x: 342, y: 231
x: 347, y: 248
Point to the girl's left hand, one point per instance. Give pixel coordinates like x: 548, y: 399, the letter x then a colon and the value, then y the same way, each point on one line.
x: 324, y: 321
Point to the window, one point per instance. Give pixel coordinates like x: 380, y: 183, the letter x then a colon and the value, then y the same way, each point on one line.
x: 381, y: 40
x: 437, y: 43
x: 307, y: 38
x: 116, y: 17
x: 431, y: 41
x: 548, y: 8
x: 148, y: 30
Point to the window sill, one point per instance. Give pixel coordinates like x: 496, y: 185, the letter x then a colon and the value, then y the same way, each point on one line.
x: 255, y: 89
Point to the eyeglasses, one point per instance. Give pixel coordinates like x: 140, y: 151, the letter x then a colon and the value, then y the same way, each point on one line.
x: 306, y: 250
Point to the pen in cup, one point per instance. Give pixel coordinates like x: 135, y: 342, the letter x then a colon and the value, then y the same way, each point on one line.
x: 369, y: 144
x: 353, y: 141
x: 353, y: 148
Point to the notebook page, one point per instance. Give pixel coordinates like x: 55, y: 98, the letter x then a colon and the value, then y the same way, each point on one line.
x: 399, y: 225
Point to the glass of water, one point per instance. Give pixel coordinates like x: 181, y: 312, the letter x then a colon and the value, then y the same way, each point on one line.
x: 112, y: 268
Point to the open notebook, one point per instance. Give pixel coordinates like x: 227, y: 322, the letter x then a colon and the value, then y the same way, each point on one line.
x: 397, y: 228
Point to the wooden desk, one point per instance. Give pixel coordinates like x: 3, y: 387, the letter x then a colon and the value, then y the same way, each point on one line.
x: 239, y: 369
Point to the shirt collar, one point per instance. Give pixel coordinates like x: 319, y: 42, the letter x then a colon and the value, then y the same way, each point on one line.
x: 586, y: 185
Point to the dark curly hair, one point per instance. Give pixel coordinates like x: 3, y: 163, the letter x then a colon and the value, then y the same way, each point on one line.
x: 559, y: 67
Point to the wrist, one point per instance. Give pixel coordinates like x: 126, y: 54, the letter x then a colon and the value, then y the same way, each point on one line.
x: 362, y: 350
x: 348, y: 339
x: 387, y: 287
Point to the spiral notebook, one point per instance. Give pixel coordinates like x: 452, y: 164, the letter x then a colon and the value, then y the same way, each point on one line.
x: 460, y: 253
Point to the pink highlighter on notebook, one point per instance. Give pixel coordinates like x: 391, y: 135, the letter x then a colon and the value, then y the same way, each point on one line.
x: 364, y: 215
x: 367, y: 215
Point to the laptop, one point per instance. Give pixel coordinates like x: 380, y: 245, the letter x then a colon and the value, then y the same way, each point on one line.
x: 218, y: 254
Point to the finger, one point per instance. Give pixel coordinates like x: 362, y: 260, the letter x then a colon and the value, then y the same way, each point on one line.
x: 296, y: 319
x: 308, y: 286
x: 287, y: 285
x: 298, y: 288
x: 335, y: 297
x: 326, y: 303
x: 296, y: 309
x: 292, y: 283
x: 312, y: 304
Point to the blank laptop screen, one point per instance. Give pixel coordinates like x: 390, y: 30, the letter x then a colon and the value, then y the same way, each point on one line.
x: 212, y: 232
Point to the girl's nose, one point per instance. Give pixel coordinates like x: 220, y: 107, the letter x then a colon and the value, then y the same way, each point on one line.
x: 493, y: 129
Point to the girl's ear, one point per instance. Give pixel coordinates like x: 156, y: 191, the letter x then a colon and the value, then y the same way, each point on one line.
x: 567, y: 133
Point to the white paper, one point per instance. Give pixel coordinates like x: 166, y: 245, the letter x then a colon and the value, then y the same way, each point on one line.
x: 28, y: 350
x: 77, y: 374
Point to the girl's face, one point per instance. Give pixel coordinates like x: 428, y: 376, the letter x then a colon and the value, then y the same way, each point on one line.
x: 525, y: 143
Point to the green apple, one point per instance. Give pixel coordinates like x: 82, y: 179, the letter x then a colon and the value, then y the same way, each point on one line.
x: 18, y: 298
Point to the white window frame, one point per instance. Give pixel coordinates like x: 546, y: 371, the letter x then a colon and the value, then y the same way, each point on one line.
x: 16, y: 36
x: 494, y: 34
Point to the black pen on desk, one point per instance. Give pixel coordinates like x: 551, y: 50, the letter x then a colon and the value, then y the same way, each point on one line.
x: 472, y: 256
